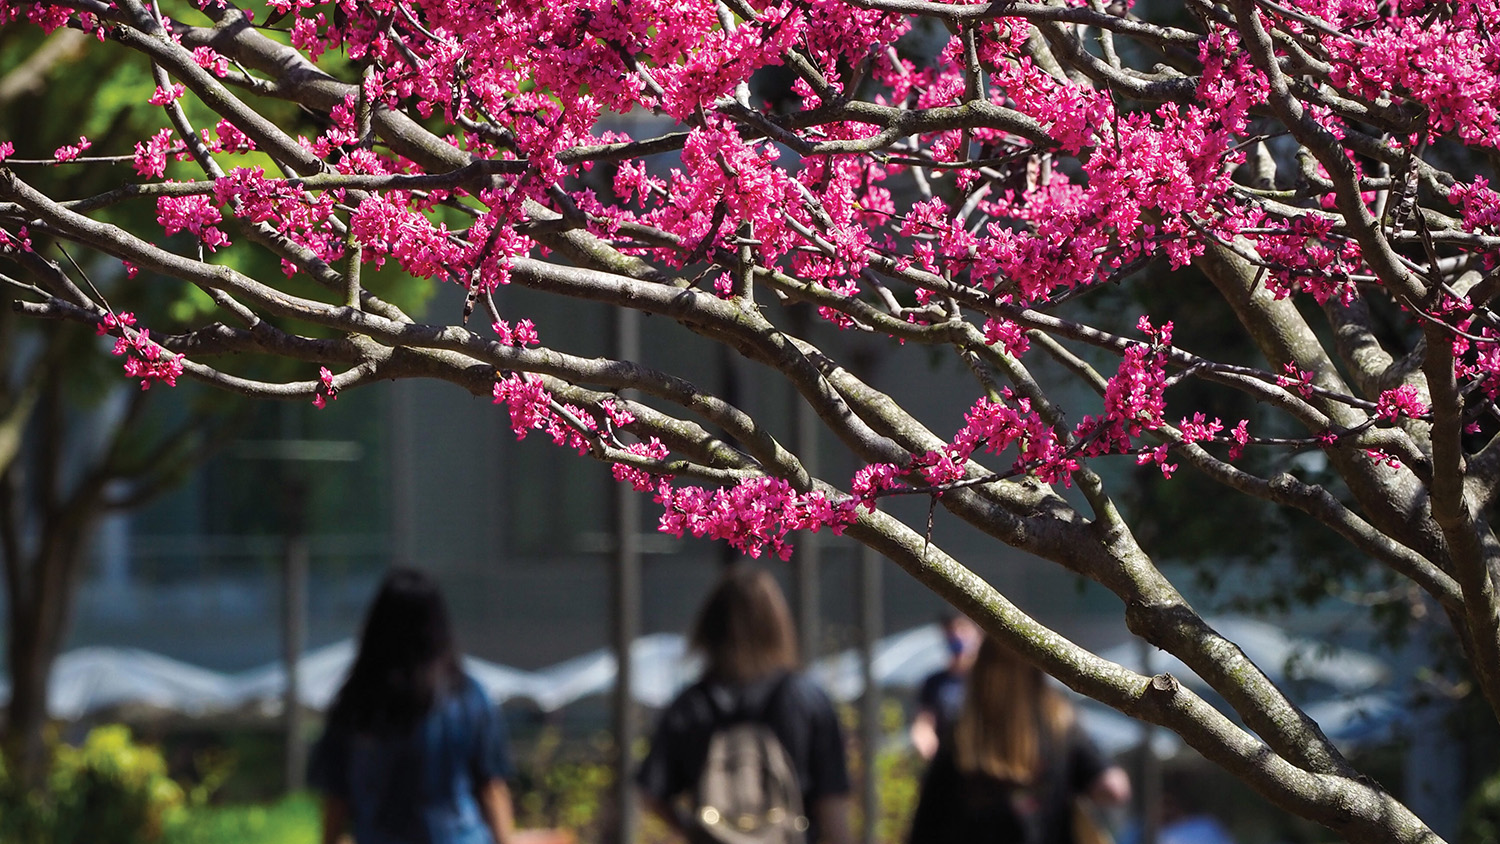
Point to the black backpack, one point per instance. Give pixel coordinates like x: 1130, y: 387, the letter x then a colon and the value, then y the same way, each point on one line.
x: 747, y: 792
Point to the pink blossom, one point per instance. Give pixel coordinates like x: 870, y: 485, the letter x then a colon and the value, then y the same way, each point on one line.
x: 529, y: 403
x: 1198, y: 429
x: 110, y: 322
x: 1241, y: 436
x: 326, y: 391
x: 208, y: 59
x: 1158, y: 456
x: 753, y: 516
x: 1298, y: 380
x: 1404, y: 400
x: 147, y: 360
x: 1009, y: 335
x: 195, y: 214
x: 151, y: 156
x: 162, y: 96
x: 72, y: 151
x: 1479, y: 205
x: 872, y: 480
x: 639, y: 479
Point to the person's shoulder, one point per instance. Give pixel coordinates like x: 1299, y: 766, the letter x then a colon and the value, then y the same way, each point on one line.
x: 934, y: 681
x: 467, y: 695
x: 804, y: 691
x: 691, y: 705
x: 467, y: 687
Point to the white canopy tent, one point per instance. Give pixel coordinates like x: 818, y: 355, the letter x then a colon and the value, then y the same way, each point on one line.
x: 93, y: 678
x: 320, y: 673
x: 90, y: 679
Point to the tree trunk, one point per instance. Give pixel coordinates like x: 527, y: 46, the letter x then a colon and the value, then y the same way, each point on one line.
x: 26, y: 715
x: 40, y: 596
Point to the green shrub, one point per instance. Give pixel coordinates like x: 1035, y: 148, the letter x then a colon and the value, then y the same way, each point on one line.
x: 564, y: 788
x: 109, y: 789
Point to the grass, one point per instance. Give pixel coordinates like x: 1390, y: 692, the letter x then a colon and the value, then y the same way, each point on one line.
x: 293, y: 820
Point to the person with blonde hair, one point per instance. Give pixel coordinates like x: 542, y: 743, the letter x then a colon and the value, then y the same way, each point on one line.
x: 753, y: 751
x: 1015, y: 765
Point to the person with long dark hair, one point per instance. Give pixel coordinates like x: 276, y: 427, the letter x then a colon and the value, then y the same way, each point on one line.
x: 413, y: 751
x: 1015, y: 764
x: 745, y: 636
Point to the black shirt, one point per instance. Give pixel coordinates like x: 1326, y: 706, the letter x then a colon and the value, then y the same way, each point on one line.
x: 976, y: 808
x: 942, y: 694
x: 800, y: 715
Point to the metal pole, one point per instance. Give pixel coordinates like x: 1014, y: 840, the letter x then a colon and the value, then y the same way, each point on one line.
x: 399, y: 408
x: 626, y: 589
x: 1150, y: 790
x: 871, y: 625
x: 294, y: 633
x: 295, y: 562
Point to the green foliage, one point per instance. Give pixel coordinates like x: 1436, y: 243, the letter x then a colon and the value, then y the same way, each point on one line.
x: 564, y: 788
x: 898, y: 773
x: 293, y: 820
x: 108, y: 789
x: 1481, y: 823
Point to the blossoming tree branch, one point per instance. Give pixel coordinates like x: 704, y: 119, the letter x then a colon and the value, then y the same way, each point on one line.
x: 1314, y: 165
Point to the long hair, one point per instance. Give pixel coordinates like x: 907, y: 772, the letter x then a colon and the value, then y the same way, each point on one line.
x: 407, y: 658
x: 744, y: 630
x: 1010, y: 714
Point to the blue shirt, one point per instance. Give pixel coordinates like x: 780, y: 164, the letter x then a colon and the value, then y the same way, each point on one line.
x: 418, y: 788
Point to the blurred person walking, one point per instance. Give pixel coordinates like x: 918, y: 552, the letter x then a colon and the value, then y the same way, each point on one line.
x: 1016, y: 764
x: 942, y: 693
x: 413, y: 751
x: 752, y: 753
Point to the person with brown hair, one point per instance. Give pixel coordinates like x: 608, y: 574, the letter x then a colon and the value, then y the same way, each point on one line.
x: 750, y: 704
x: 1015, y: 764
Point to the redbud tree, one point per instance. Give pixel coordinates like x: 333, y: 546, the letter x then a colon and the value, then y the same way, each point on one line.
x: 1313, y: 167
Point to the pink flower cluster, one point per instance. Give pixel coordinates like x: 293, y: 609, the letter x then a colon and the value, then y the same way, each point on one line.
x: 1479, y: 205
x: 196, y: 214
x: 169, y: 94
x: 1401, y: 401
x: 143, y: 358
x: 639, y: 479
x: 753, y: 516
x: 151, y: 156
x: 387, y: 226
x: 1299, y: 381
x: 302, y: 217
x: 1445, y: 62
x: 70, y: 152
x: 1134, y: 399
x: 326, y: 391
x: 1309, y: 258
x: 532, y: 409
x: 110, y: 322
